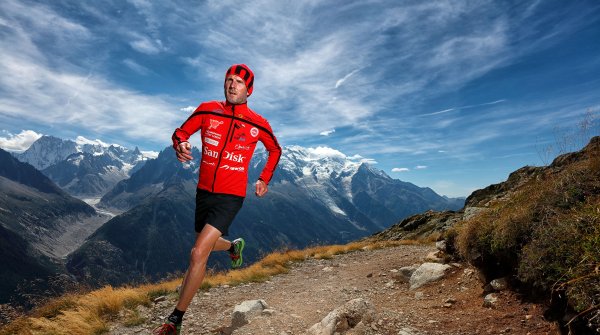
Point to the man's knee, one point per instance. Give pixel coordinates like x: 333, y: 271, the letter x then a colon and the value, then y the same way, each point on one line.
x: 199, y: 255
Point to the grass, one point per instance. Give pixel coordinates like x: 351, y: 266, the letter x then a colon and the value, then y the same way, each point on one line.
x: 91, y: 312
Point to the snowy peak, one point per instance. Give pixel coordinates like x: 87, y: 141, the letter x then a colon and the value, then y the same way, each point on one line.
x: 321, y: 163
x: 83, y: 166
x: 47, y: 151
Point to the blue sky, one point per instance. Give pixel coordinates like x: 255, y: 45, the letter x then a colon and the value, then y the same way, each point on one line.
x: 453, y: 95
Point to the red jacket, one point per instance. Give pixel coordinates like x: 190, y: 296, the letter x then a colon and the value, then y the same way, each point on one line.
x: 229, y: 136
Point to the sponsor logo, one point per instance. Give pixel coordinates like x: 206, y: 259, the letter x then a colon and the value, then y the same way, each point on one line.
x: 210, y: 153
x: 209, y: 163
x: 241, y: 116
x: 211, y: 141
x: 233, y: 168
x: 218, y: 111
x: 242, y: 147
x: 240, y: 137
x: 239, y: 158
x: 214, y: 124
x: 254, y: 132
x: 213, y: 134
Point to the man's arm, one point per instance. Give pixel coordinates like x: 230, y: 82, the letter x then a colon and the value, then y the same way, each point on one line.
x: 182, y: 134
x: 270, y: 142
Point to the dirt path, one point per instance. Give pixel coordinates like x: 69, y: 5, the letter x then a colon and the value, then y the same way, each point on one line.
x: 313, y: 288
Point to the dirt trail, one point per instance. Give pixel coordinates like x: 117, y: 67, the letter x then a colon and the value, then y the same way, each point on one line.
x: 313, y: 288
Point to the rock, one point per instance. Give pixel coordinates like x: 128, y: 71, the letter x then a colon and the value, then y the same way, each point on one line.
x: 248, y: 309
x: 404, y: 274
x: 407, y: 331
x: 160, y: 299
x: 499, y: 284
x: 268, y: 312
x: 345, y: 318
x: 434, y: 257
x: 426, y: 273
x: 490, y: 300
x: 441, y: 245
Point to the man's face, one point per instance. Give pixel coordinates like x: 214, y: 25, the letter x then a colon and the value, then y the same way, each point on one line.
x: 235, y: 90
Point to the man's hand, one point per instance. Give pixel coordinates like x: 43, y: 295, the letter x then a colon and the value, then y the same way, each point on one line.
x: 261, y: 188
x: 184, y: 152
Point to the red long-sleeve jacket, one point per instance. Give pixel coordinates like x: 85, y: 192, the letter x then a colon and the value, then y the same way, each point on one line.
x: 229, y: 136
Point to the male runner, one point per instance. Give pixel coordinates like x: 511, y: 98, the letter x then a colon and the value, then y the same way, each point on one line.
x: 230, y: 131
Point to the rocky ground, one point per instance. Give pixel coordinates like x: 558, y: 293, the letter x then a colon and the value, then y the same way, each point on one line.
x: 311, y: 290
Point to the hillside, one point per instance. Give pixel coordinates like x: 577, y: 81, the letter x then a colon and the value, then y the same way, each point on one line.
x: 540, y: 229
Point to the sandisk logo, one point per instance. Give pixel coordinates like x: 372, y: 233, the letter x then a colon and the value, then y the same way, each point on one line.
x: 211, y: 153
x: 239, y: 158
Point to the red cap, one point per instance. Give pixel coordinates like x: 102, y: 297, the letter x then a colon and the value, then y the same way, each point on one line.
x: 244, y: 72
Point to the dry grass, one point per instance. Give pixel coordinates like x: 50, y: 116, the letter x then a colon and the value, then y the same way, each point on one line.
x: 90, y: 313
x: 546, y: 234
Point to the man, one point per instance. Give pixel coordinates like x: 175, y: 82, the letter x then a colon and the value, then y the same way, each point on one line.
x: 230, y: 131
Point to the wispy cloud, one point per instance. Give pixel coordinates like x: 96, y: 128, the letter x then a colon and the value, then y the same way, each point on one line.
x: 137, y: 67
x: 400, y: 169
x: 465, y: 107
x: 38, y: 88
x: 327, y: 132
x: 342, y: 80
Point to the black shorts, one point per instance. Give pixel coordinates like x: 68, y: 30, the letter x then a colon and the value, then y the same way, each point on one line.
x: 216, y: 209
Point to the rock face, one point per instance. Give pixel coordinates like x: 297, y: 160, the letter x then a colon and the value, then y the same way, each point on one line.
x: 355, y: 313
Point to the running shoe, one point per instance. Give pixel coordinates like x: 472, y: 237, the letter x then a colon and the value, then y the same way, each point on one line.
x: 236, y: 255
x: 168, y: 329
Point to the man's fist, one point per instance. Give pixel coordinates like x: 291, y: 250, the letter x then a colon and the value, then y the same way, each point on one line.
x: 184, y: 152
x: 261, y: 188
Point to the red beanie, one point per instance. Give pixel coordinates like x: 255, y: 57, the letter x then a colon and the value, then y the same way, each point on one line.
x: 244, y: 72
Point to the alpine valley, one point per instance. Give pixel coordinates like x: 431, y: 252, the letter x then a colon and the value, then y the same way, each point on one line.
x: 141, y: 226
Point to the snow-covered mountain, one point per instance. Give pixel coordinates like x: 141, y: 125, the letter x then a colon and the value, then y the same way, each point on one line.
x: 83, y: 167
x: 317, y: 195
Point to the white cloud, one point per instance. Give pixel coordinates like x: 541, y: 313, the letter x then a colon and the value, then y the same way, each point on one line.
x: 19, y: 142
x: 400, y: 169
x: 327, y: 132
x: 80, y: 101
x: 150, y: 154
x: 188, y: 109
x: 420, y: 167
x: 319, y: 152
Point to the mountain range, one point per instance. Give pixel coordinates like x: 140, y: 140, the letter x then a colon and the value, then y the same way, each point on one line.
x: 317, y: 195
x: 82, y: 167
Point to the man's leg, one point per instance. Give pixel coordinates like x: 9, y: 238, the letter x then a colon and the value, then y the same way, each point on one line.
x: 206, y: 241
x: 222, y: 245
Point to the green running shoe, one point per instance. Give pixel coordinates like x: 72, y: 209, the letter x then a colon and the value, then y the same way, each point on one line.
x: 236, y: 255
x: 168, y: 329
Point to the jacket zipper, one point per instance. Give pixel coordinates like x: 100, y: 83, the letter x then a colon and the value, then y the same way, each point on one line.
x: 223, y: 149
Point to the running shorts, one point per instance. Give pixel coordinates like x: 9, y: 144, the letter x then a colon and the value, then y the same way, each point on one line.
x: 216, y: 209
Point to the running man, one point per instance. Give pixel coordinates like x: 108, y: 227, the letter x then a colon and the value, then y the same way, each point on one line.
x: 230, y: 131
